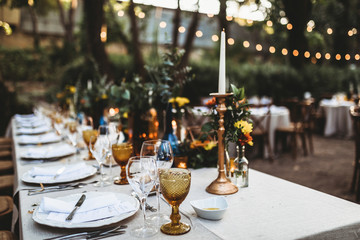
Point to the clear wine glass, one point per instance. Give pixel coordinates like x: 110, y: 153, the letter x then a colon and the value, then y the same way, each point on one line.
x: 100, y: 150
x: 141, y: 173
x: 162, y: 152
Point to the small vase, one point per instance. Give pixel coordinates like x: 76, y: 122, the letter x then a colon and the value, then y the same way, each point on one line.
x: 241, y: 172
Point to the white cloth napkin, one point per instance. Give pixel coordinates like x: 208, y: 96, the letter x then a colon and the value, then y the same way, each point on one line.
x: 47, y: 173
x: 96, y: 206
x: 52, y: 151
x: 36, y: 139
x: 37, y: 130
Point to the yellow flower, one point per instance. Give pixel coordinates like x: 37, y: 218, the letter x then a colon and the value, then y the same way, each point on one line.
x: 72, y: 89
x: 181, y: 101
x: 104, y: 96
x: 244, y: 126
x: 125, y: 115
x: 210, y: 146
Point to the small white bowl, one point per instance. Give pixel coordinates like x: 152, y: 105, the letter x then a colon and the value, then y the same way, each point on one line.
x: 210, y: 208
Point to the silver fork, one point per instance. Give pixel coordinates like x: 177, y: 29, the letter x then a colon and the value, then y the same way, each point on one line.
x: 147, y: 206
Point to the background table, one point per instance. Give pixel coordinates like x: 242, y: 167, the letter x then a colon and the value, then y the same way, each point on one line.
x: 279, y: 117
x: 338, y: 119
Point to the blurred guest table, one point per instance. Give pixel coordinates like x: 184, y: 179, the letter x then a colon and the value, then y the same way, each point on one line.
x: 279, y: 117
x: 270, y: 208
x: 338, y: 120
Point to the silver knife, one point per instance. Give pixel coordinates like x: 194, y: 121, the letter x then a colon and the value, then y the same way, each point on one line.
x: 77, y: 205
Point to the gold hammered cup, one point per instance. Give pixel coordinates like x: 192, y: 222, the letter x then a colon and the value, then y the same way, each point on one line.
x: 87, y: 134
x: 121, y: 153
x: 175, y: 186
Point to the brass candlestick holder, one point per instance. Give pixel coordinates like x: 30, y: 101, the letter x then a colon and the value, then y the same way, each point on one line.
x: 221, y: 185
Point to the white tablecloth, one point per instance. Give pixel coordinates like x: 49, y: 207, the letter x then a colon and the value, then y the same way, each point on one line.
x: 280, y: 117
x: 338, y: 119
x: 270, y: 208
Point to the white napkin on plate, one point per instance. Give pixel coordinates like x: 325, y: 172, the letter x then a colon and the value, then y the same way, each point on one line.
x: 37, y: 130
x: 36, y: 139
x: 95, y: 207
x: 51, y: 151
x: 47, y: 173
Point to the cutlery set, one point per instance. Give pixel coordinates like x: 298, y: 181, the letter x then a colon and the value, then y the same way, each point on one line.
x: 61, y: 187
x: 97, y: 234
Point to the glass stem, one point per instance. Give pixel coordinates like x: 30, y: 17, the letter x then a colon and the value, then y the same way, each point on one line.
x: 143, y: 202
x: 157, y: 188
x: 101, y: 174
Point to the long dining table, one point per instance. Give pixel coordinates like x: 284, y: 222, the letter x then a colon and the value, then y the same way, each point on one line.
x: 270, y: 208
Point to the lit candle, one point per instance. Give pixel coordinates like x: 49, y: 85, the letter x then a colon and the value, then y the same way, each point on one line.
x: 222, y: 79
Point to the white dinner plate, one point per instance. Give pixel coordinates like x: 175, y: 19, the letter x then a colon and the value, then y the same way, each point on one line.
x: 50, y: 137
x: 84, y: 173
x: 41, y: 217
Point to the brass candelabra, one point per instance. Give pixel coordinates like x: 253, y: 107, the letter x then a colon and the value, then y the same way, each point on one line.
x: 221, y: 185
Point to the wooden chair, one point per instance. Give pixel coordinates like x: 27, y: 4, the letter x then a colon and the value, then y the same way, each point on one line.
x: 261, y: 127
x: 6, y: 185
x: 355, y: 183
x: 6, y: 210
x: 302, y: 124
x: 6, y: 235
x: 6, y: 167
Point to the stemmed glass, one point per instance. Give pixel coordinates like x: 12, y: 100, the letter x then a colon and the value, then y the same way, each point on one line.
x: 142, y: 173
x: 121, y: 153
x: 89, y: 139
x: 100, y: 151
x: 175, y: 186
x: 162, y: 152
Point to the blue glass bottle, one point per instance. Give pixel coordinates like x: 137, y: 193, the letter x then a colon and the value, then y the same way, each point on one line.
x: 169, y: 131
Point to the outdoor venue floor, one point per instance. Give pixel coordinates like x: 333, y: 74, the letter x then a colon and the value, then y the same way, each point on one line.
x: 328, y: 170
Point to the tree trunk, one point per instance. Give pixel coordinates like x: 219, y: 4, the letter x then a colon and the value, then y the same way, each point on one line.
x: 190, y: 39
x: 94, y: 13
x: 176, y: 25
x: 223, y: 23
x: 34, y: 23
x: 138, y: 58
x: 298, y: 13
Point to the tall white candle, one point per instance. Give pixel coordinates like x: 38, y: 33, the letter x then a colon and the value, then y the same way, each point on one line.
x: 222, y: 79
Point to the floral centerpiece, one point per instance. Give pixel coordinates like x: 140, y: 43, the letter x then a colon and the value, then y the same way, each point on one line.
x: 237, y: 122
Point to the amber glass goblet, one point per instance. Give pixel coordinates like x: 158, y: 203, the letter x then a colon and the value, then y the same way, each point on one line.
x: 87, y: 134
x: 175, y: 186
x: 121, y: 153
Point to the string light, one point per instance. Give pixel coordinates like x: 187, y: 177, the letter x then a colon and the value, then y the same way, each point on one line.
x: 141, y: 15
x: 199, y: 33
x: 246, y: 44
x: 215, y: 38
x: 121, y: 13
x: 162, y: 24
x: 229, y: 18
x: 230, y: 41
x: 182, y: 29
x: 258, y: 47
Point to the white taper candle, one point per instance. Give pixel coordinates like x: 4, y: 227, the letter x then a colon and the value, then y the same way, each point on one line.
x: 222, y: 78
